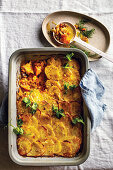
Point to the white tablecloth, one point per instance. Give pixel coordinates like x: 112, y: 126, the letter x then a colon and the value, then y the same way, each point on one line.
x: 20, y: 23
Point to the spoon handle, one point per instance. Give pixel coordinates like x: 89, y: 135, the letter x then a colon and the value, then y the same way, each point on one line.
x: 90, y: 47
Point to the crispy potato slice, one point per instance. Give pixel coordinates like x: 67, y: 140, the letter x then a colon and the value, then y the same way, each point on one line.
x: 68, y: 97
x: 36, y: 96
x: 77, y: 95
x: 31, y: 132
x: 59, y: 129
x: 37, y: 149
x: 50, y: 100
x: 24, y: 145
x: 56, y: 62
x: 76, y: 130
x: 34, y: 121
x: 22, y: 110
x: 45, y: 118
x: 64, y: 105
x: 56, y: 93
x: 49, y: 147
x: 26, y: 117
x: 67, y: 123
x: 66, y: 149
x: 50, y: 83
x: 74, y: 64
x: 53, y: 73
x: 75, y: 143
x: 50, y: 131
x: 57, y: 145
x: 42, y: 133
x: 24, y: 84
x: 44, y: 106
x: 75, y: 109
x: 72, y: 76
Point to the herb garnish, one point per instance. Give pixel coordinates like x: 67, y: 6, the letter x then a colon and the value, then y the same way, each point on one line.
x: 67, y: 87
x: 19, y: 122
x: 83, y: 21
x: 18, y: 130
x: 58, y: 112
x: 77, y: 120
x: 83, y: 30
x: 69, y: 56
x: 72, y: 87
x: 34, y: 108
x: 88, y: 33
x: 27, y: 101
x: 67, y: 66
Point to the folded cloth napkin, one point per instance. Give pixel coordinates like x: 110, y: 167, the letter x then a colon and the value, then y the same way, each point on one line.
x: 92, y: 92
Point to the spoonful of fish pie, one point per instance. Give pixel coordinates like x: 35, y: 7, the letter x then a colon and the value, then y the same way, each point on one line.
x: 65, y: 33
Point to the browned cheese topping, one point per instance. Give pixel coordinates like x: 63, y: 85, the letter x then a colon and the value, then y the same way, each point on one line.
x: 49, y: 105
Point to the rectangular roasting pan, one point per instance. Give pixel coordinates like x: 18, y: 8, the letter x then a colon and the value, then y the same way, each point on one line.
x: 14, y: 65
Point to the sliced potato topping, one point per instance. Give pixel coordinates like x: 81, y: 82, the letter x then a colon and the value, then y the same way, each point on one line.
x: 37, y: 149
x: 48, y: 99
x: 24, y: 146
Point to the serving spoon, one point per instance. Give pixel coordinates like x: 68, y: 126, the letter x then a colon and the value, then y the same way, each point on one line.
x: 78, y: 40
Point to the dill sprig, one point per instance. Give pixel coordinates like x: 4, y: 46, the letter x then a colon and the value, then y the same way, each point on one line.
x: 83, y: 21
x: 84, y: 30
x: 88, y: 33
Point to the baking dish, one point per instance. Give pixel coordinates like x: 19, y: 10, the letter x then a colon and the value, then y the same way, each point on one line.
x: 14, y: 66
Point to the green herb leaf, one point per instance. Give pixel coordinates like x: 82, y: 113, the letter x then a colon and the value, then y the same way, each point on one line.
x: 27, y: 101
x: 69, y: 56
x: 72, y: 87
x: 83, y: 21
x: 18, y: 131
x: 19, y: 122
x: 88, y: 33
x: 75, y: 120
x: 66, y: 85
x: 59, y: 113
x: 67, y: 66
x: 54, y: 109
x: 34, y: 108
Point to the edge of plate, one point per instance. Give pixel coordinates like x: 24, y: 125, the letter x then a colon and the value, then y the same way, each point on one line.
x: 81, y: 14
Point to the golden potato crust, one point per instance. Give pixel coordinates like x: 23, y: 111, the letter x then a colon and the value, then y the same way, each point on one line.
x: 41, y: 88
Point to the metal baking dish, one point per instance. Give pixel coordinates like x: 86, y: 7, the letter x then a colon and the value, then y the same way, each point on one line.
x: 14, y: 65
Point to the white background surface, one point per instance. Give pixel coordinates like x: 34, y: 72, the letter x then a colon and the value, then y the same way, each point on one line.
x: 20, y: 27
